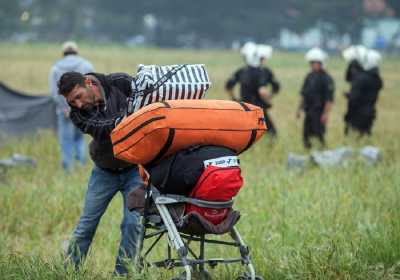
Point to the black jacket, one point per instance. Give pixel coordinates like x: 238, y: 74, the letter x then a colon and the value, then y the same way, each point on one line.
x: 364, y: 92
x: 353, y: 69
x: 318, y: 88
x: 100, y: 121
x: 250, y: 80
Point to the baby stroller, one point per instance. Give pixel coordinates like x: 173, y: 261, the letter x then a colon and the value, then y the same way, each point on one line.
x: 185, y: 217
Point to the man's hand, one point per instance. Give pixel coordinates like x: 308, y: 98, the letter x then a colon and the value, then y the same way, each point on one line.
x: 231, y: 94
x: 325, y: 114
x: 298, y: 114
x: 67, y: 112
x: 324, y: 118
x: 265, y: 95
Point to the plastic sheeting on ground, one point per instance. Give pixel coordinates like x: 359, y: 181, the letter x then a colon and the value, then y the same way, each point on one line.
x: 335, y: 157
x: 21, y: 113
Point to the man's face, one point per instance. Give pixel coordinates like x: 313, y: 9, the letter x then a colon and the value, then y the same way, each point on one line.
x: 82, y: 97
x: 316, y: 66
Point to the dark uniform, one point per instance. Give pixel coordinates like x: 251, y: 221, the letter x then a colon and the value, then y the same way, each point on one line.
x: 250, y: 80
x: 362, y: 99
x: 317, y: 90
x: 353, y: 69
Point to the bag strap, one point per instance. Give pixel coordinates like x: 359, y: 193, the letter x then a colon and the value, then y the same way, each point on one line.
x: 167, y: 174
x: 132, y: 98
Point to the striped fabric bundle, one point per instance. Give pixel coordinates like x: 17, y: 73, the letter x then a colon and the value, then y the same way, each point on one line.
x: 155, y: 83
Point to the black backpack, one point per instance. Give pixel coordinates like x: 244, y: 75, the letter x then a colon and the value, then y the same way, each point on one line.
x: 179, y: 173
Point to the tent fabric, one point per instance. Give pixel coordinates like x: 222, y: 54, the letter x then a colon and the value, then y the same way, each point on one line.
x: 21, y: 113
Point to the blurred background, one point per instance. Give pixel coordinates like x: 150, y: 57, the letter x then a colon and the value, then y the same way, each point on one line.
x: 316, y: 223
x: 285, y: 24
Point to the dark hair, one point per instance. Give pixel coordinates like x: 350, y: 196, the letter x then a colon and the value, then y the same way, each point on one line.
x: 68, y: 81
x: 68, y: 52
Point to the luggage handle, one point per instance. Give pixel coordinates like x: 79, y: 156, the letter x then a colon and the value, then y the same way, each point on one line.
x: 132, y: 99
x: 174, y: 198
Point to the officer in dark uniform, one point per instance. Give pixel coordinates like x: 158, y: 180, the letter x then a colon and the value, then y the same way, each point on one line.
x: 254, y: 80
x: 364, y: 95
x: 354, y: 56
x: 316, y: 98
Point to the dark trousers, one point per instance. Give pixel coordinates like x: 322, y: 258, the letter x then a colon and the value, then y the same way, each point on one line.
x: 360, y: 119
x: 313, y: 127
x: 270, y: 125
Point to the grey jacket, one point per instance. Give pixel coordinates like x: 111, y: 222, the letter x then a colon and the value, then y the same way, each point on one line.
x: 68, y: 63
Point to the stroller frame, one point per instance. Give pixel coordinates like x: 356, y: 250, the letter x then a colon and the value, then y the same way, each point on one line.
x: 163, y: 223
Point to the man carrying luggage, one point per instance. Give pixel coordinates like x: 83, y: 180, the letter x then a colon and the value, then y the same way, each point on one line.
x: 254, y: 79
x: 97, y: 102
x: 316, y: 98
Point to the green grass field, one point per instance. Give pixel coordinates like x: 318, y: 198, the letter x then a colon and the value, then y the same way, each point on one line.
x: 340, y: 223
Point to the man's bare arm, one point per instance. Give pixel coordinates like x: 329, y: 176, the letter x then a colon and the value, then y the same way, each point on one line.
x: 231, y: 94
x: 300, y: 108
x: 327, y: 110
x: 265, y: 94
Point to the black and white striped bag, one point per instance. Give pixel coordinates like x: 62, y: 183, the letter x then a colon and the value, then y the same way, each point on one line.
x: 155, y: 83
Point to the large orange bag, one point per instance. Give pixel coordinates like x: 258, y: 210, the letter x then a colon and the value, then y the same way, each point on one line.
x: 163, y: 128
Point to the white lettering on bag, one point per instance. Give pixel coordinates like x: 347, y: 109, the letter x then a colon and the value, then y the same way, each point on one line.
x: 229, y: 161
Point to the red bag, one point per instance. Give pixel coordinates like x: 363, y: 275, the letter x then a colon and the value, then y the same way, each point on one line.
x: 216, y: 184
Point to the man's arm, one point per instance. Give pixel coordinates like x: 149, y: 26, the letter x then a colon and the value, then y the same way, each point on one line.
x: 327, y: 110
x: 96, y: 125
x: 266, y: 78
x: 265, y: 94
x: 300, y: 109
x: 230, y: 84
x: 330, y: 89
x: 275, y: 85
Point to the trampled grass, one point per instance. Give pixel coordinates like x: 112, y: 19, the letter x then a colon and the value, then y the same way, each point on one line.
x: 339, y: 223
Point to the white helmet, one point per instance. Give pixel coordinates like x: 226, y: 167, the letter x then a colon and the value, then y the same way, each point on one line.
x: 357, y: 53
x: 249, y: 51
x: 247, y: 47
x: 264, y: 51
x: 316, y: 54
x: 371, y: 60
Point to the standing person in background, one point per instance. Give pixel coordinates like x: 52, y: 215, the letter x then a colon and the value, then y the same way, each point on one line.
x: 254, y: 80
x: 265, y: 53
x: 364, y: 94
x: 71, y: 139
x: 316, y: 98
x: 354, y: 56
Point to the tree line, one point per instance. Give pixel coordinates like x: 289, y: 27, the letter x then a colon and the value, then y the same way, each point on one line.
x: 173, y: 22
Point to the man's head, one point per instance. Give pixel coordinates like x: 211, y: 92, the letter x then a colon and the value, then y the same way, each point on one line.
x: 249, y: 52
x: 316, y: 57
x: 69, y: 47
x: 264, y: 52
x: 79, y: 91
x: 316, y: 66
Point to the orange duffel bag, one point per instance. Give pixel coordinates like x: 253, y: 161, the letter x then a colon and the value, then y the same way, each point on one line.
x: 163, y: 128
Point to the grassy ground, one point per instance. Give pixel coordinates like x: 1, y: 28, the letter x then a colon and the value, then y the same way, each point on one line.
x: 341, y: 223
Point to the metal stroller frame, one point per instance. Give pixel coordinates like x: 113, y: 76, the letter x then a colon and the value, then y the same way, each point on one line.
x: 162, y: 223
